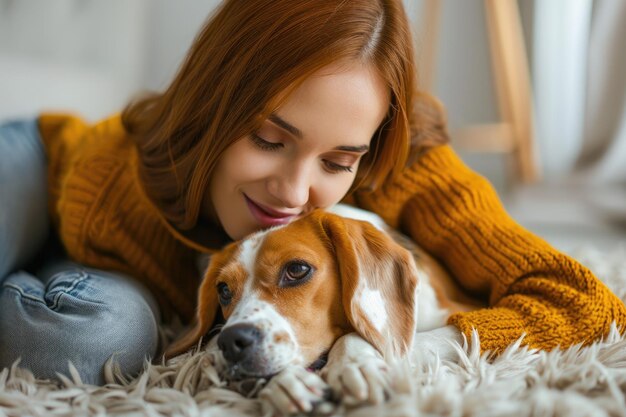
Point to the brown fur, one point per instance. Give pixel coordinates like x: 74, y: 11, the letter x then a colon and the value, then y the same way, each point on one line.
x: 323, y: 294
x: 347, y: 255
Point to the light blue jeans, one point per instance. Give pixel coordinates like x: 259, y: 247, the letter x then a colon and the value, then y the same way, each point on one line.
x: 52, y: 310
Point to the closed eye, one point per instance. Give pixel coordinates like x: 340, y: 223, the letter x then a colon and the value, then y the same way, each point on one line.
x: 330, y: 166
x: 333, y: 167
x: 264, y: 144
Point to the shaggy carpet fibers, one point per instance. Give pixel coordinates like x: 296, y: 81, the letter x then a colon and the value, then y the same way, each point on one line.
x: 578, y: 381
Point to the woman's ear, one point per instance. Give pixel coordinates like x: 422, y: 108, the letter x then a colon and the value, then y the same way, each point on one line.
x: 379, y: 280
x: 206, y: 309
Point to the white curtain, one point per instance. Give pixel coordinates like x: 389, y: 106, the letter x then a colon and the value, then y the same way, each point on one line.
x: 579, y: 69
x: 603, y: 156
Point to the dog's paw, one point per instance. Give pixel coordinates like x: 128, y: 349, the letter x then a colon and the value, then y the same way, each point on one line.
x: 293, y: 391
x: 356, y: 371
x: 358, y: 382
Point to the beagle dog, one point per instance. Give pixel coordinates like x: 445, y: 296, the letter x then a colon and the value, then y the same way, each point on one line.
x: 290, y: 293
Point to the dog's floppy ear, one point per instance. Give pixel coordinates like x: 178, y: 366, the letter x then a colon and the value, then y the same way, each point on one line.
x: 379, y: 281
x: 206, y: 309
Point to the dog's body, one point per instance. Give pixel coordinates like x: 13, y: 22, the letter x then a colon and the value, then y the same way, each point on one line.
x: 291, y: 293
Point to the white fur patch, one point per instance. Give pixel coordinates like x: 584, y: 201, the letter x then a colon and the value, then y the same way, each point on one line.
x: 429, y: 314
x: 355, y: 213
x: 373, y: 305
x: 249, y: 251
x: 279, y: 344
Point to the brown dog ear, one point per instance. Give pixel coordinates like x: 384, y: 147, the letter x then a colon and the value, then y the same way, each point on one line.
x: 206, y: 309
x: 379, y: 281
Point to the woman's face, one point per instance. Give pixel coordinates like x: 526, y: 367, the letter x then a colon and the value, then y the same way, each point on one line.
x: 304, y: 156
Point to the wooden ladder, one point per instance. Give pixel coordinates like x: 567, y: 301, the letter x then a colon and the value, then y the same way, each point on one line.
x: 514, y: 135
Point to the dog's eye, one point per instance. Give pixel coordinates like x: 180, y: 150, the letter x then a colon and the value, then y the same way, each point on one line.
x: 297, y: 270
x: 295, y: 273
x: 224, y: 294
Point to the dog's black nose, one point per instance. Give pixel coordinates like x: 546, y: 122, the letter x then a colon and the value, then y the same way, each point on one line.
x: 237, y: 341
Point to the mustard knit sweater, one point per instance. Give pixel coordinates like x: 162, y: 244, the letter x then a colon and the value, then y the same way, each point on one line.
x: 105, y: 220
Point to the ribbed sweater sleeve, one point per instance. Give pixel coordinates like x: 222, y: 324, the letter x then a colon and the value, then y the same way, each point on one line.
x: 103, y: 216
x: 533, y: 290
x: 60, y: 153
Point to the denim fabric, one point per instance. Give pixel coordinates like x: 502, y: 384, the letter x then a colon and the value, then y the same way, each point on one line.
x: 23, y: 197
x: 54, y: 311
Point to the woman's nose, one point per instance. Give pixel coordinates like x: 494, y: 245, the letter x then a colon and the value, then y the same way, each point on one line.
x: 291, y: 186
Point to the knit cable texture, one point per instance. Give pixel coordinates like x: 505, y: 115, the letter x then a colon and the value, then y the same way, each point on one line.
x: 106, y: 221
x: 532, y: 289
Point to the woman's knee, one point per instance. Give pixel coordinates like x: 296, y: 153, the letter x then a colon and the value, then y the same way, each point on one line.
x: 23, y: 194
x: 80, y: 315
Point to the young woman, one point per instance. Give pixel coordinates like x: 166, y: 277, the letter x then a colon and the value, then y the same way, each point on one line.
x: 281, y: 107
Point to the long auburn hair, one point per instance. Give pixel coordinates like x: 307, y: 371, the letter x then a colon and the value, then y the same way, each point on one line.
x: 243, y: 64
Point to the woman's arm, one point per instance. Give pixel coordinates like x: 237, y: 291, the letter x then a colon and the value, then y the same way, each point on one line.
x: 533, y: 289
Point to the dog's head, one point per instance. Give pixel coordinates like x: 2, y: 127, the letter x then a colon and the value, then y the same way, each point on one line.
x: 290, y: 292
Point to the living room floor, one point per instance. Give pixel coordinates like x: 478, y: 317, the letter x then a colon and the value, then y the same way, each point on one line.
x: 571, y: 217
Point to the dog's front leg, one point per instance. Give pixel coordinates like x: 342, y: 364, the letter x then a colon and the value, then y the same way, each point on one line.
x: 294, y: 390
x: 439, y: 344
x: 356, y: 371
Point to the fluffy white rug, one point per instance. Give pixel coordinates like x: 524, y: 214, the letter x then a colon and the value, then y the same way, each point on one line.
x: 579, y: 381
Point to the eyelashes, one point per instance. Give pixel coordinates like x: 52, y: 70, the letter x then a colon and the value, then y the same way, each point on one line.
x: 337, y: 167
x: 266, y: 145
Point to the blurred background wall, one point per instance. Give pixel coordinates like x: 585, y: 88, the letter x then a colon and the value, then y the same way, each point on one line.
x: 92, y: 56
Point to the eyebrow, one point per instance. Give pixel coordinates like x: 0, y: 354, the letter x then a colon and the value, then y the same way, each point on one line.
x: 276, y: 119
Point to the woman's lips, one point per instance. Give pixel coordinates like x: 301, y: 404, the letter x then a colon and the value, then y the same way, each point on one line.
x: 267, y: 217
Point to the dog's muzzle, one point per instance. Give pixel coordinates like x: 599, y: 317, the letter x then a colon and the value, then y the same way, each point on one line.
x: 241, y: 347
x: 239, y: 342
